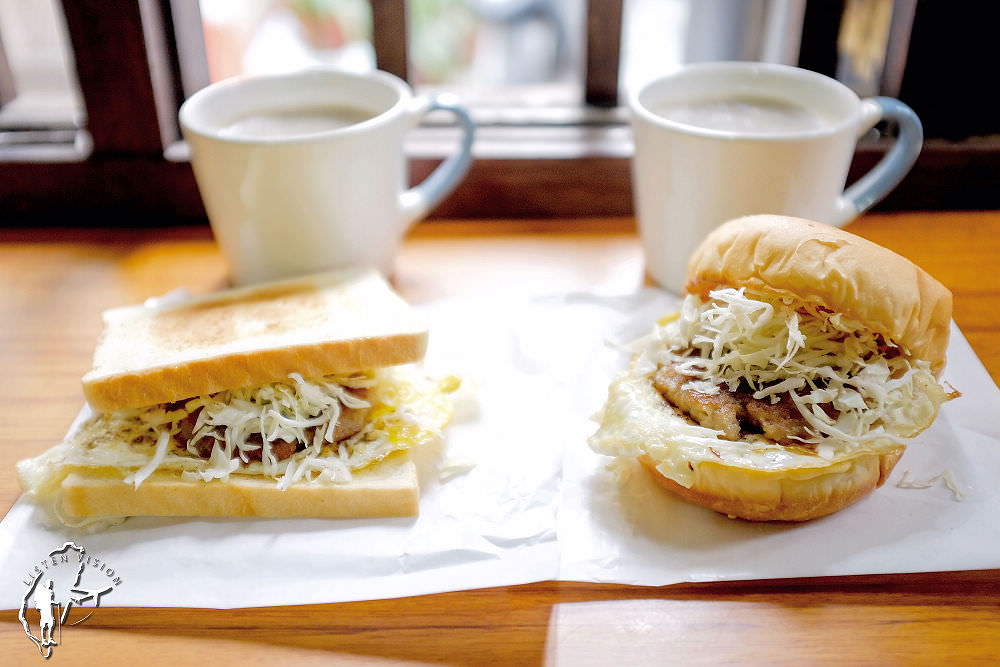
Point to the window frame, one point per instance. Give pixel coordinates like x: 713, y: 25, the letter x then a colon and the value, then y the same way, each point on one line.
x: 135, y: 171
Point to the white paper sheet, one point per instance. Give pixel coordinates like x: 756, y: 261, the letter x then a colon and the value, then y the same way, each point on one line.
x: 514, y: 494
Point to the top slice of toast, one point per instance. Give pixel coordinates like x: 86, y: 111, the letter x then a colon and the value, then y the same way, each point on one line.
x: 334, y: 323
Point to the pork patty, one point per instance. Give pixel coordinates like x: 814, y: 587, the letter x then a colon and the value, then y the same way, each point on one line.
x: 735, y: 413
x: 721, y: 411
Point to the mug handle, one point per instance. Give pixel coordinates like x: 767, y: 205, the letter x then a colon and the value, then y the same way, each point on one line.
x: 890, y: 170
x: 416, y: 202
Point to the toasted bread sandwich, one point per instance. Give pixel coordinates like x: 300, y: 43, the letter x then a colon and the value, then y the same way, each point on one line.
x: 300, y: 398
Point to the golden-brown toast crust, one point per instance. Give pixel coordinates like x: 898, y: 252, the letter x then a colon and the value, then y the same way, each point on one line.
x: 250, y: 369
x: 319, y: 325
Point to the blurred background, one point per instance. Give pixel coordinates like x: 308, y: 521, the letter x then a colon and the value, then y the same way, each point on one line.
x: 89, y: 90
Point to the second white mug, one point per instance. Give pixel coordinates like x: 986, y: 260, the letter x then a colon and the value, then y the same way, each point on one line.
x: 716, y: 141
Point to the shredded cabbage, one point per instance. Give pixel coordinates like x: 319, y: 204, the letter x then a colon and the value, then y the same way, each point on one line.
x: 406, y: 409
x: 946, y: 476
x: 137, y: 478
x: 817, y: 358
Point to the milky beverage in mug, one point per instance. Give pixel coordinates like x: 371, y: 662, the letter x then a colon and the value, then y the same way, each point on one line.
x: 748, y: 115
x: 293, y: 122
x: 306, y: 171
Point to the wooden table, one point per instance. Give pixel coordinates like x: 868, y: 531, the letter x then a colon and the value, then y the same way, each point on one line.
x: 56, y: 282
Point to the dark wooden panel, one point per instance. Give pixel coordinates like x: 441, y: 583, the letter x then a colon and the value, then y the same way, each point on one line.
x: 950, y: 76
x: 110, y: 191
x: 537, y: 188
x: 390, y: 36
x: 604, y: 30
x: 947, y: 176
x: 103, y: 191
x: 125, y: 78
x: 820, y: 28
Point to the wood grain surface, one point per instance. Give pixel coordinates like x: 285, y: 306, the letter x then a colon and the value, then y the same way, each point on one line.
x: 54, y: 284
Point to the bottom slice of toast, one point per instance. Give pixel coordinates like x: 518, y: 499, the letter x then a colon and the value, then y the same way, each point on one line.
x: 388, y: 488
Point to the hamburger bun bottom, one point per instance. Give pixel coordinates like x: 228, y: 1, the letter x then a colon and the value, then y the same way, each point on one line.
x: 786, y: 495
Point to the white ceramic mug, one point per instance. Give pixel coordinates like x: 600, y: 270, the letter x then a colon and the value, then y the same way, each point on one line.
x: 689, y: 176
x: 288, y: 193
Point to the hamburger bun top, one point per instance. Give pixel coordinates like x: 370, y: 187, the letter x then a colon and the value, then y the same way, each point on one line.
x: 822, y: 265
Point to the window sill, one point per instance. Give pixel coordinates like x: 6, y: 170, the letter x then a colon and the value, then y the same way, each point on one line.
x: 549, y: 172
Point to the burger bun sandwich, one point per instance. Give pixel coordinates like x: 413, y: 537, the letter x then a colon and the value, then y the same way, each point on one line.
x: 801, y: 361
